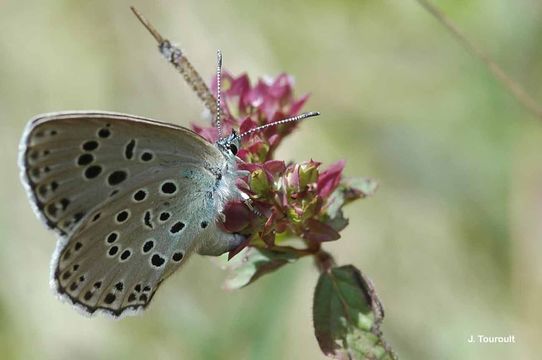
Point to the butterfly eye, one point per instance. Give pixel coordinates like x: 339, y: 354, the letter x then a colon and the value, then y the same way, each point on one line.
x: 233, y: 149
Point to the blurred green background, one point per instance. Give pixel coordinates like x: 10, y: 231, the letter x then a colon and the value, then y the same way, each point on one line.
x: 452, y: 239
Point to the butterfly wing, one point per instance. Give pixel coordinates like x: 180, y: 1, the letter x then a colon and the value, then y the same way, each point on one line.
x: 130, y: 197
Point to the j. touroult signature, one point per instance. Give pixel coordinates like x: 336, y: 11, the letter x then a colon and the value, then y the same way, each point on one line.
x: 492, y: 339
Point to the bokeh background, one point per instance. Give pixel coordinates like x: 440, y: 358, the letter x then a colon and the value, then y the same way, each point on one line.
x: 452, y: 239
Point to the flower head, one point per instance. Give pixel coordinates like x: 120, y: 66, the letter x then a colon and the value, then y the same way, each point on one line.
x: 287, y: 199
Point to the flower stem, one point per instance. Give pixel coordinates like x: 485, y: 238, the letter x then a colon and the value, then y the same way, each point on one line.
x: 324, y: 261
x: 510, y: 84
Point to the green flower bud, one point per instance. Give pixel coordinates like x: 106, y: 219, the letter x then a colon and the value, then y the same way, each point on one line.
x: 308, y: 174
x: 259, y: 183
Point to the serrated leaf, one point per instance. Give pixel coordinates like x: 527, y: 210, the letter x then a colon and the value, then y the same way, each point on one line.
x: 347, y: 192
x: 252, y: 263
x: 347, y: 316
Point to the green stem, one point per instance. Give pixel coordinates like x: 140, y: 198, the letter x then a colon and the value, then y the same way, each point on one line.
x: 324, y: 261
x: 509, y: 84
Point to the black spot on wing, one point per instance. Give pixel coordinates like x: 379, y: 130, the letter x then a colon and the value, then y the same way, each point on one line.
x: 178, y: 256
x: 113, y: 250
x: 168, y: 188
x: 164, y: 216
x: 122, y: 216
x: 112, y: 237
x: 147, y: 246
x: 85, y: 159
x: 140, y: 195
x: 147, y: 219
x: 129, y: 149
x: 116, y: 177
x: 125, y: 255
x: 147, y: 156
x: 96, y: 216
x: 175, y: 228
x: 90, y: 145
x: 157, y: 260
x: 92, y: 171
x: 110, y: 298
x: 104, y: 133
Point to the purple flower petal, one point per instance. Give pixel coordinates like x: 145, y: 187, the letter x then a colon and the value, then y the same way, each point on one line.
x: 298, y: 104
x: 274, y: 167
x: 281, y: 88
x: 330, y: 179
x: 209, y: 133
x: 247, y: 124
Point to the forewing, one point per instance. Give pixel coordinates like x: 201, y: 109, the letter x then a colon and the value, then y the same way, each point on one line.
x: 71, y: 162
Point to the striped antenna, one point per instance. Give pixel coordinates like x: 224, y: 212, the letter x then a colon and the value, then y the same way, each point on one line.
x: 284, y: 121
x: 218, y: 91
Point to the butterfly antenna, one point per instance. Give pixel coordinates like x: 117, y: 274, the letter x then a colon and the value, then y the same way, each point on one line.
x: 275, y: 123
x: 176, y: 57
x: 218, y: 91
x: 148, y: 25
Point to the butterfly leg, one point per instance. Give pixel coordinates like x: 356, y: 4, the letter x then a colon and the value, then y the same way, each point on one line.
x: 248, y: 203
x: 246, y: 199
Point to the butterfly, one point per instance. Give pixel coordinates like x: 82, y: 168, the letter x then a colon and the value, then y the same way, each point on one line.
x: 130, y: 198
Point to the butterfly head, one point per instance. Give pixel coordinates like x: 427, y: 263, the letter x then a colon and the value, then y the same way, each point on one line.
x: 230, y: 143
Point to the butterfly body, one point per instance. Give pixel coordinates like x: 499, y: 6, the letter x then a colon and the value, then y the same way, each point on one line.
x: 131, y: 198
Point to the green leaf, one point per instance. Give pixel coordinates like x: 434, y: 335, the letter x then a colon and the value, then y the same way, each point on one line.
x: 347, y: 316
x: 252, y: 263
